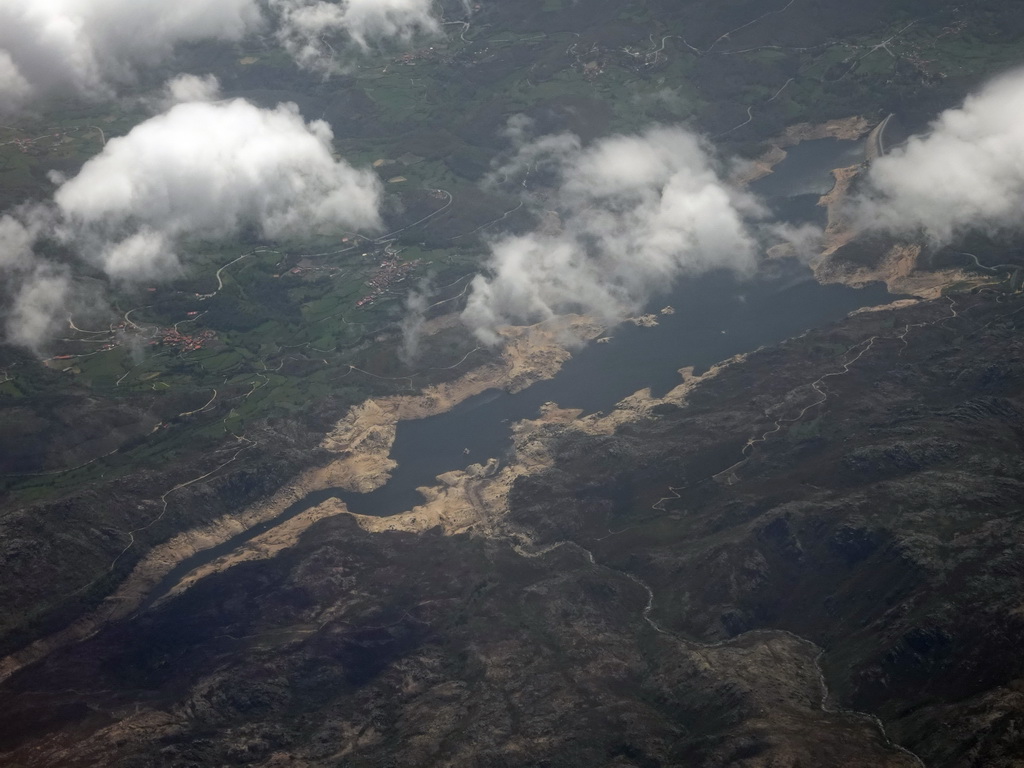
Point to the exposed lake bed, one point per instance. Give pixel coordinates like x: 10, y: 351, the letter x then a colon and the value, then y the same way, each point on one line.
x: 713, y: 317
x: 469, y: 422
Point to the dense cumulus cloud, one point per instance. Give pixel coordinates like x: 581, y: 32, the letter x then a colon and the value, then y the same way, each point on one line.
x: 203, y: 169
x: 210, y: 170
x: 626, y: 218
x: 17, y: 238
x: 966, y: 173
x: 83, y: 46
x: 629, y: 215
x: 304, y: 25
x: 199, y: 171
x: 37, y: 305
x: 89, y: 46
x: 31, y: 288
x: 190, y: 88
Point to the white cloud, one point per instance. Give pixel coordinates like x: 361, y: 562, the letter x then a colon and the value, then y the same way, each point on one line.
x: 804, y: 241
x: 369, y: 20
x: 966, y: 173
x: 60, y: 46
x: 33, y: 290
x: 198, y: 171
x: 304, y: 26
x: 55, y: 47
x: 146, y: 253
x: 416, y: 307
x: 205, y: 170
x: 627, y: 217
x: 16, y: 241
x: 186, y: 88
x: 38, y: 305
x: 14, y: 88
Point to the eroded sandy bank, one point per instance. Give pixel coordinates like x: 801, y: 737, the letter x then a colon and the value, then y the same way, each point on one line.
x: 361, y: 441
x: 472, y: 500
x: 846, y: 129
x: 899, y: 267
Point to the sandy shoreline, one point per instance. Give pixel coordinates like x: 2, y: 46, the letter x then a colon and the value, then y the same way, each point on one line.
x: 362, y: 441
x: 473, y: 500
x: 898, y: 266
x: 846, y: 129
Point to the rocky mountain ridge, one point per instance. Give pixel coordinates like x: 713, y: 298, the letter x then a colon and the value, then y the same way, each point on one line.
x: 816, y: 536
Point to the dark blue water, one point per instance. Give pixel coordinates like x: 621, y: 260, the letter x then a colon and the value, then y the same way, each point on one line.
x: 716, y: 316
x: 794, y: 189
x: 796, y: 185
x: 807, y: 169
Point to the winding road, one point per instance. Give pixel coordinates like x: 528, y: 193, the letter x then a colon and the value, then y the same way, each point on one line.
x: 523, y: 545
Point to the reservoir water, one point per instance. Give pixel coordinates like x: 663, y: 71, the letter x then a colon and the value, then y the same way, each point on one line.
x: 716, y: 316
x: 807, y: 169
x: 794, y: 188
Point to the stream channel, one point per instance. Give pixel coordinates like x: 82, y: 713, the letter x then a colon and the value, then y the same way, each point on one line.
x: 716, y: 316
